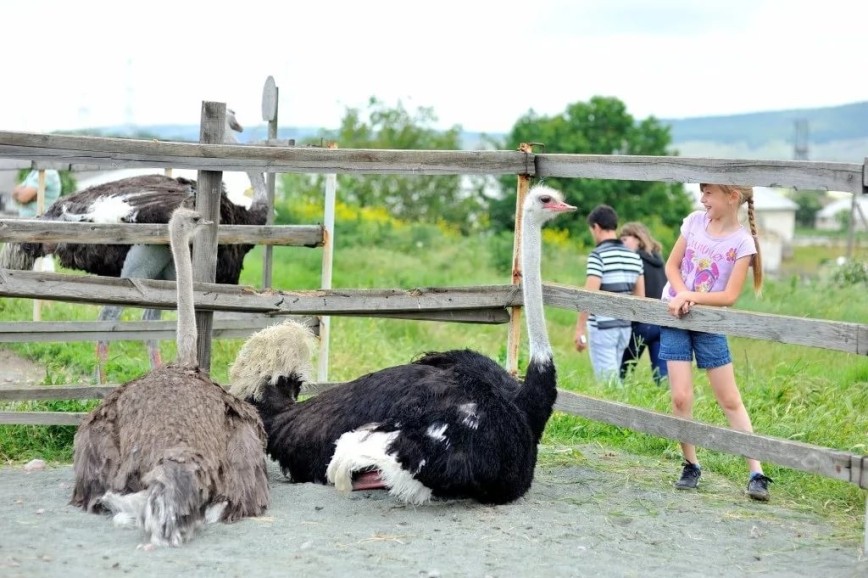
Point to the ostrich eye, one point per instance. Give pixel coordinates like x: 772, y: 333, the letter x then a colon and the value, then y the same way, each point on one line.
x: 545, y: 199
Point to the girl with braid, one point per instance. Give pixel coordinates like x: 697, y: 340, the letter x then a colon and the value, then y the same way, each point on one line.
x: 708, y: 266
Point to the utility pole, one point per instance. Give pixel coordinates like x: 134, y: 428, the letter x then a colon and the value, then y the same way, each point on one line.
x: 800, y: 142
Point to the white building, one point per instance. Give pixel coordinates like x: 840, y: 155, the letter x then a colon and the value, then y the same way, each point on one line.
x: 829, y: 217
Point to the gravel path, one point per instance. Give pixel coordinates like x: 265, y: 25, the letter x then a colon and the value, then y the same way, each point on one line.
x: 607, y: 516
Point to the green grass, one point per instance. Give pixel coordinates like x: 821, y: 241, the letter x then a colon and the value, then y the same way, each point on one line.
x: 810, y: 395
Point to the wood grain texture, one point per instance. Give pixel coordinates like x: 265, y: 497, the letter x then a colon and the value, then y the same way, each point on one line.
x: 121, y: 153
x: 807, y: 175
x: 21, y: 230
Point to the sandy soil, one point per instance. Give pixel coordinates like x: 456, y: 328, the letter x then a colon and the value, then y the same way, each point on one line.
x: 608, y: 516
x: 16, y: 370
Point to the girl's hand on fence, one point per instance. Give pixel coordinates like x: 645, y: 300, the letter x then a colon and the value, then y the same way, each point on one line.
x: 679, y: 306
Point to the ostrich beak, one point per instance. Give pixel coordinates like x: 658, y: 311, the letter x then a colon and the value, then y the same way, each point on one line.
x: 560, y: 207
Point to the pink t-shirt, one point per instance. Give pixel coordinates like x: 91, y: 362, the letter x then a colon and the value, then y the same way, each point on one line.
x: 708, y: 261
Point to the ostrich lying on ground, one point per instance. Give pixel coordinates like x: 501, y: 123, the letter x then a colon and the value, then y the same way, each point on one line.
x: 450, y: 424
x: 141, y: 199
x: 171, y: 450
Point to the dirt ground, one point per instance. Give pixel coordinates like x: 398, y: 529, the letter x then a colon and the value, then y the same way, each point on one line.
x: 610, y: 515
x: 589, y: 520
x: 16, y: 370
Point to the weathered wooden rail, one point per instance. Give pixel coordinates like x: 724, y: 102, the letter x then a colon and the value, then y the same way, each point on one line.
x: 471, y: 304
x: 73, y: 152
x: 446, y: 304
x: 34, y: 230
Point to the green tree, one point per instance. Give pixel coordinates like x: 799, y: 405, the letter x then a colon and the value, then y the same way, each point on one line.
x: 809, y: 205
x: 601, y: 126
x: 425, y: 199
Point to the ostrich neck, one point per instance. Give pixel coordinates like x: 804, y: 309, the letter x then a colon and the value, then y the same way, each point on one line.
x: 260, y: 191
x: 531, y: 287
x: 187, y: 334
x: 257, y: 180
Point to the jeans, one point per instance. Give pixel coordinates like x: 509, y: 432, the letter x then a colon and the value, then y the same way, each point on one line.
x: 607, y: 348
x: 710, y: 349
x: 645, y: 336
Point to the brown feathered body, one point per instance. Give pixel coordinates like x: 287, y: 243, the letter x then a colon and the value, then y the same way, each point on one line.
x: 216, y: 437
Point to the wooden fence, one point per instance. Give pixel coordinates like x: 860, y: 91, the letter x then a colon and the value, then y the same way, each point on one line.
x: 486, y: 304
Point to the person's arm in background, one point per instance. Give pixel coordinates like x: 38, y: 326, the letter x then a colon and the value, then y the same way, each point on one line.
x: 592, y: 283
x: 23, y: 194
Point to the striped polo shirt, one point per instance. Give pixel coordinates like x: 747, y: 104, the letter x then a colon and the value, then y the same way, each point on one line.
x: 618, y: 268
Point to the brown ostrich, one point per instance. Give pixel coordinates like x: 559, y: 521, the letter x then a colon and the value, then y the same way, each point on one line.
x: 172, y: 450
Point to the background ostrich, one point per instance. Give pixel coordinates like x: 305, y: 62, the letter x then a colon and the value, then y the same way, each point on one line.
x: 450, y: 424
x: 171, y: 450
x: 141, y: 199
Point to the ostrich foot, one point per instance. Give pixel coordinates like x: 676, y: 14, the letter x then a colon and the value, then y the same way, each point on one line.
x: 368, y: 480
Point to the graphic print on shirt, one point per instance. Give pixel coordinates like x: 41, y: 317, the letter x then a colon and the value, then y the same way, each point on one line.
x: 705, y: 266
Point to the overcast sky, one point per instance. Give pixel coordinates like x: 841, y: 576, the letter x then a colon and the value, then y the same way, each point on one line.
x: 479, y: 64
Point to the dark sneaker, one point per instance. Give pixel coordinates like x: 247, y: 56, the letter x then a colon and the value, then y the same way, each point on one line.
x: 758, y: 487
x: 689, y: 477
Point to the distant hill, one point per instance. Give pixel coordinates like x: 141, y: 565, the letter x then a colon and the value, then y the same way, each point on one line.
x: 190, y: 133
x: 836, y: 133
x: 845, y: 122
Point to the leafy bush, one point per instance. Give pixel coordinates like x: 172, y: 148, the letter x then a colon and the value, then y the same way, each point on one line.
x: 851, y: 273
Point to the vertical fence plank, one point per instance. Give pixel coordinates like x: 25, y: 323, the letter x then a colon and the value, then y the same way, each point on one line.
x: 269, y: 114
x: 513, y: 339
x: 40, y: 208
x: 208, y: 192
x: 327, y: 260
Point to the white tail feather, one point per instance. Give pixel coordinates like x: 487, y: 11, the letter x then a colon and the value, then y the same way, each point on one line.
x: 360, y: 450
x: 214, y: 512
x: 126, y: 508
x: 169, y: 511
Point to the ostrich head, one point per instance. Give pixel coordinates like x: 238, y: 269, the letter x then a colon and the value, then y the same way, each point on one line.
x: 544, y: 203
x: 232, y: 122
x: 279, y: 351
x: 185, y: 223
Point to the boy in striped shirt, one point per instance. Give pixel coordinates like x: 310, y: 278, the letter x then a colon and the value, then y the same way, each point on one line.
x: 613, y: 267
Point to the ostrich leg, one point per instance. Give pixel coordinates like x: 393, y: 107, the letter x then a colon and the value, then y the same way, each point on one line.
x: 142, y: 262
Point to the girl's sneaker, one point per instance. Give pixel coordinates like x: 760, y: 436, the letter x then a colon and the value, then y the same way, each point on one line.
x: 758, y: 487
x: 689, y: 477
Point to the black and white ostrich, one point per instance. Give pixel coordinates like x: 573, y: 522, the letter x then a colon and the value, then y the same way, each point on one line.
x: 450, y: 424
x: 172, y: 450
x: 140, y: 199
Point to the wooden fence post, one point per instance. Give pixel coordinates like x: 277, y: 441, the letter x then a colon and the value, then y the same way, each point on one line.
x: 269, y: 114
x: 208, y: 194
x: 513, y: 341
x: 328, y: 248
x: 40, y: 208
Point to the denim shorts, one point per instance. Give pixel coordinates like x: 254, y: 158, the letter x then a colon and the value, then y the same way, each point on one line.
x: 711, y: 349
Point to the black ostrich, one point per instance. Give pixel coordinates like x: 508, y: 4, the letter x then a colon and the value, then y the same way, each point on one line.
x: 140, y: 199
x: 172, y: 450
x: 451, y: 424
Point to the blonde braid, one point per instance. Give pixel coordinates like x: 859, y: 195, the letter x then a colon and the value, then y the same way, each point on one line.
x: 757, y: 259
